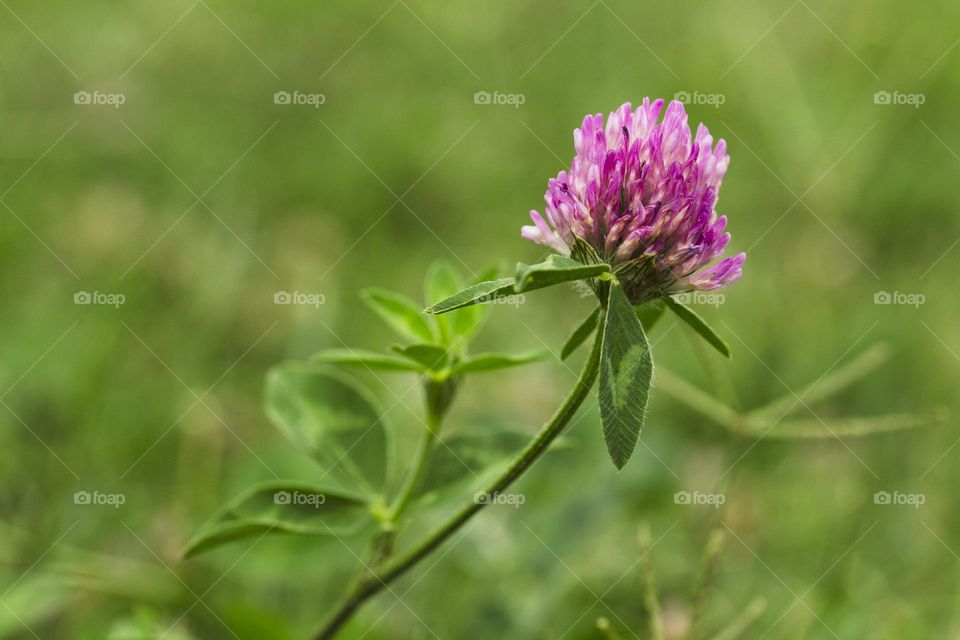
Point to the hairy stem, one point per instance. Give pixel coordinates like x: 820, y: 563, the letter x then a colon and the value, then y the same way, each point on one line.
x: 374, y: 584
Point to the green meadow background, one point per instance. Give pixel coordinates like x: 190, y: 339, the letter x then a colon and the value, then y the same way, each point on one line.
x: 199, y: 198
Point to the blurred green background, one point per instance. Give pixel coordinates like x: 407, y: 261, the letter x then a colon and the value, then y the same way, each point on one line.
x: 199, y: 198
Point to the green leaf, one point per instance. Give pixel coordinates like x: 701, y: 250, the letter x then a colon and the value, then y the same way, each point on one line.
x: 473, y: 455
x: 282, y: 507
x: 693, y: 319
x: 430, y: 356
x: 399, y: 312
x: 554, y: 270
x: 333, y: 419
x: 580, y: 334
x: 442, y: 281
x: 474, y: 294
x: 366, y: 359
x: 468, y: 320
x: 626, y: 370
x: 33, y: 601
x: 495, y: 361
x: 649, y: 313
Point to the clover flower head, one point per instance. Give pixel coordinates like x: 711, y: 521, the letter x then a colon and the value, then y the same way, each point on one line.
x: 642, y: 195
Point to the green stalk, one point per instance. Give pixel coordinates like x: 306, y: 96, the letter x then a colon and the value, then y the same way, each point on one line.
x: 374, y: 584
x: 382, y: 546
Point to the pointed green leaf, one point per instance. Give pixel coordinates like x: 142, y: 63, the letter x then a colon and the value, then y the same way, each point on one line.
x: 468, y: 320
x: 626, y: 370
x: 457, y: 329
x: 580, y: 334
x: 554, y: 270
x: 495, y: 361
x: 365, y: 359
x: 332, y: 418
x: 442, y: 281
x: 693, y: 319
x: 430, y: 356
x: 282, y: 507
x: 475, y: 294
x: 401, y: 313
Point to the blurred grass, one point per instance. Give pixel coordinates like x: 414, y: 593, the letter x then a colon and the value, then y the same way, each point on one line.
x: 312, y: 206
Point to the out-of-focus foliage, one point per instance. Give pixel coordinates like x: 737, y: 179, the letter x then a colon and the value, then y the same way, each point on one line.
x: 209, y: 203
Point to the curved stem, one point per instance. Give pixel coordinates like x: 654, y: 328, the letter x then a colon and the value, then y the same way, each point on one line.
x: 530, y: 454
